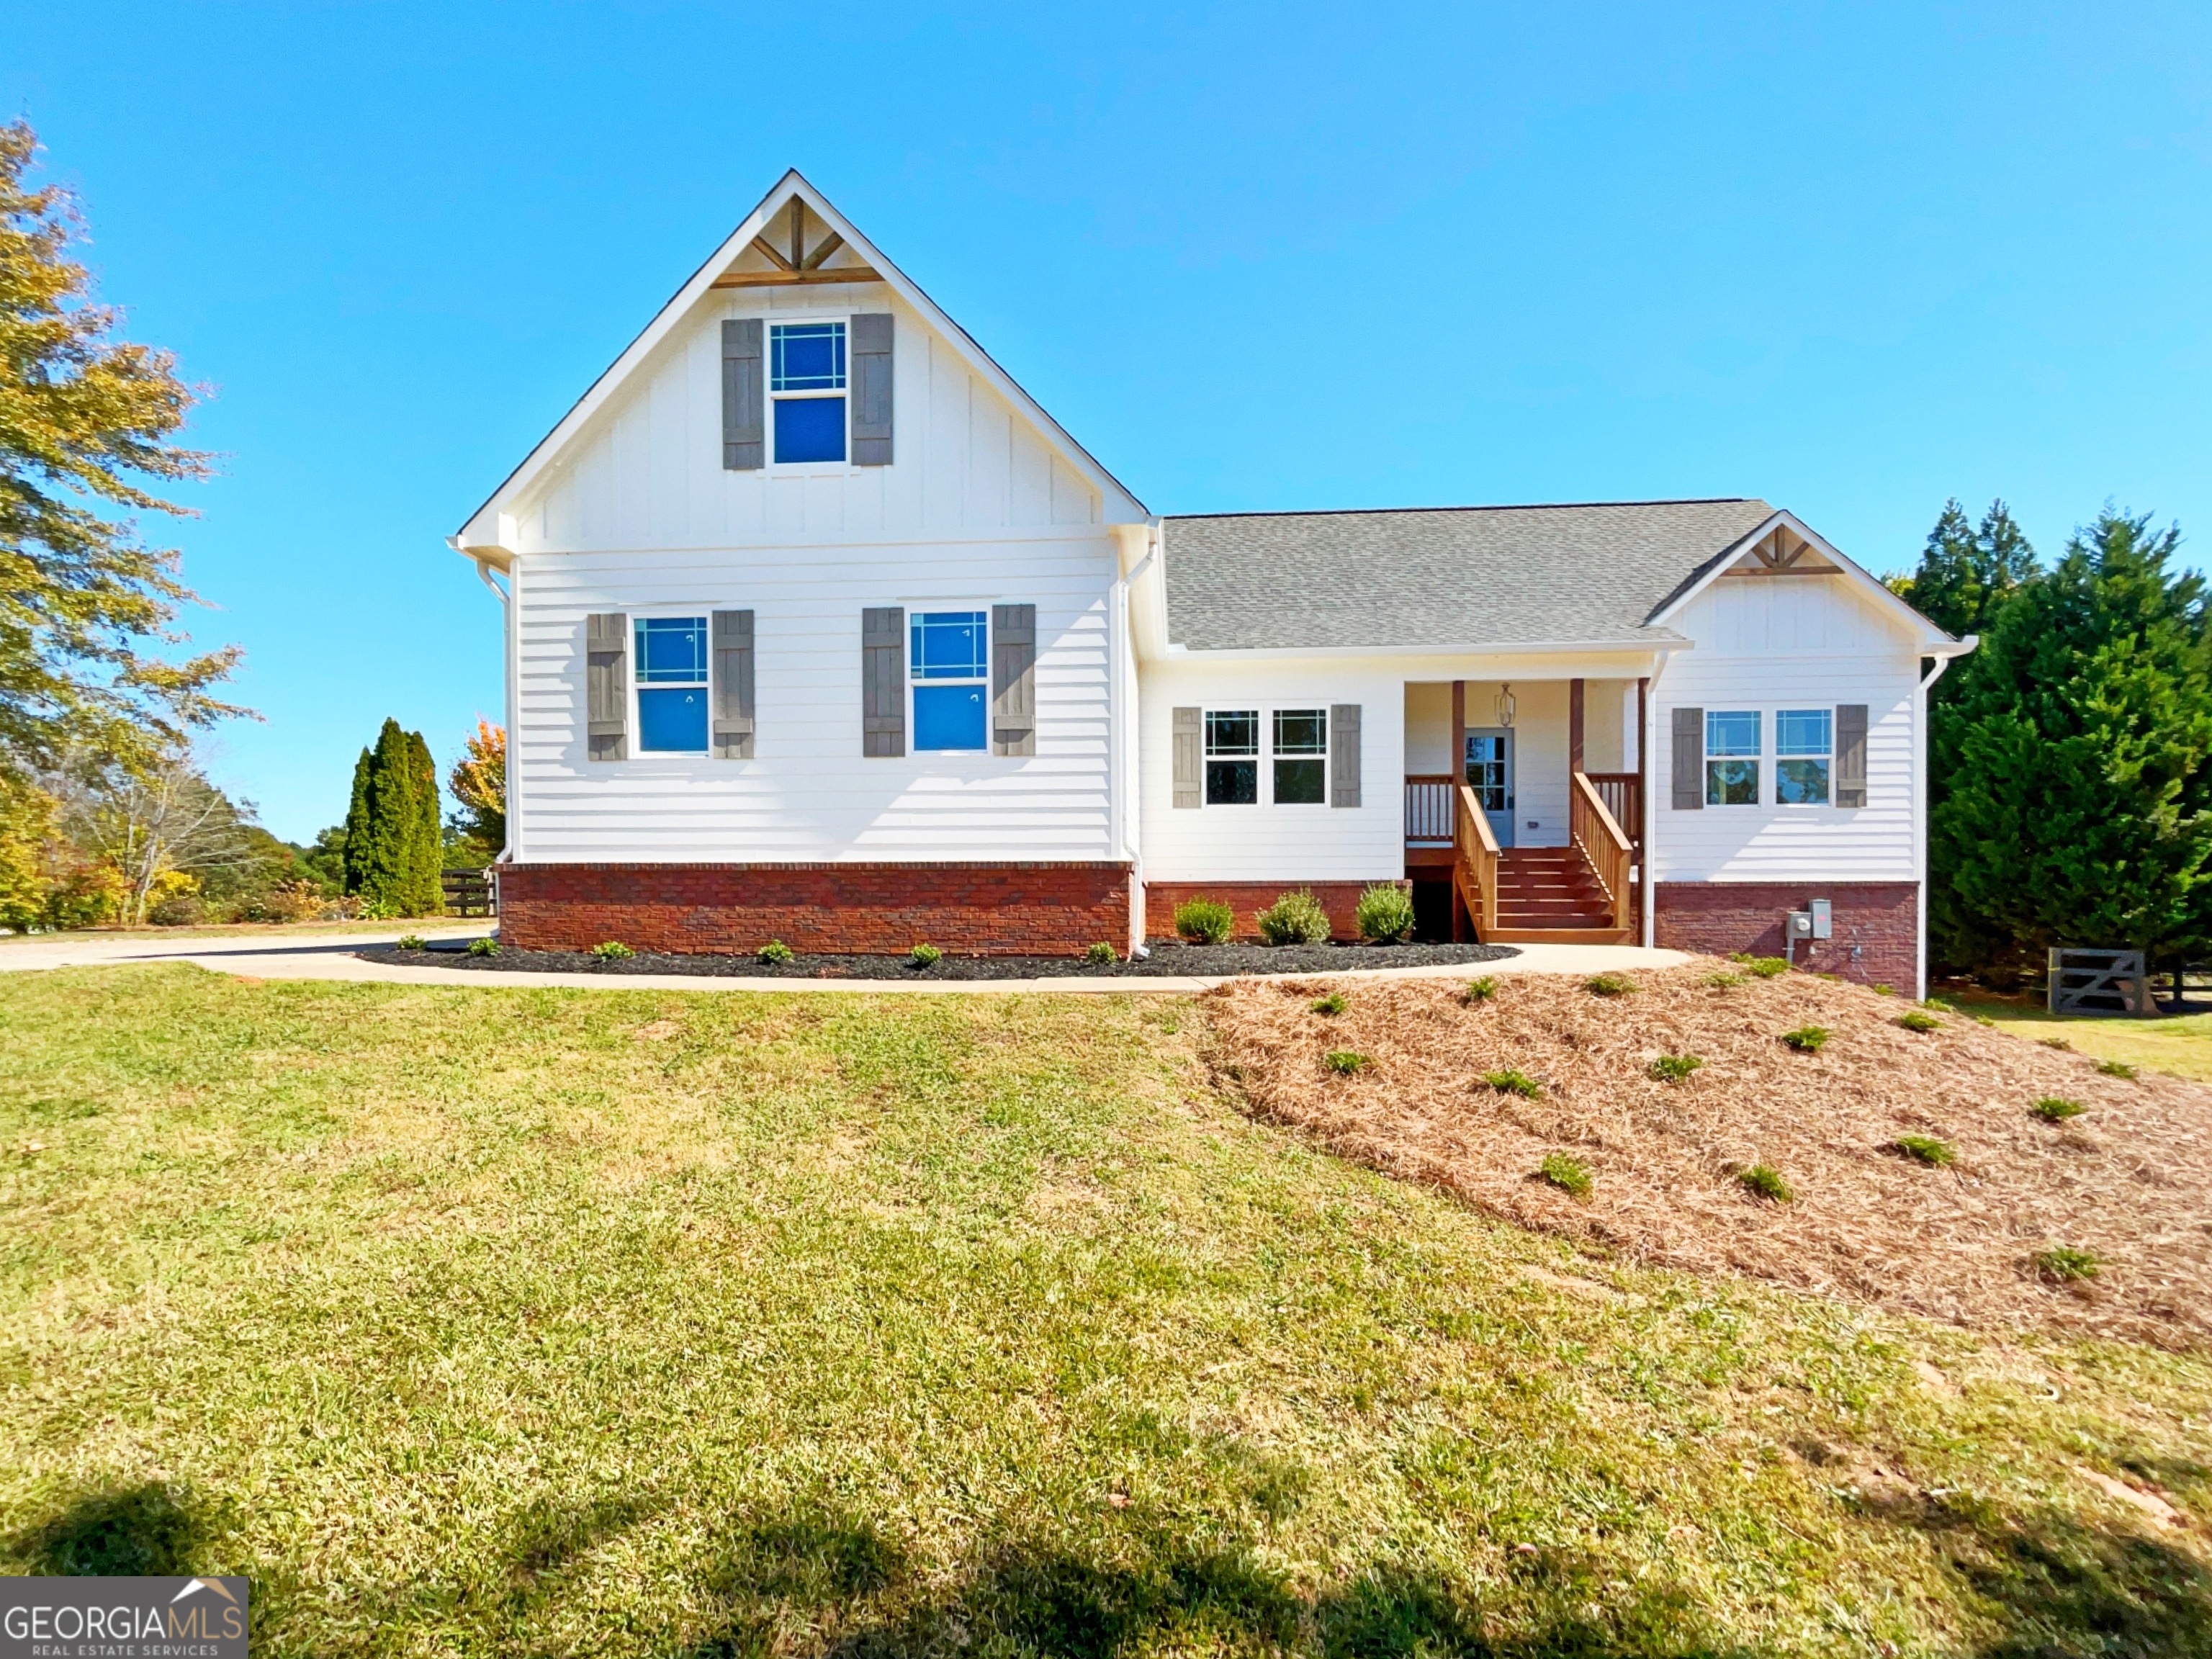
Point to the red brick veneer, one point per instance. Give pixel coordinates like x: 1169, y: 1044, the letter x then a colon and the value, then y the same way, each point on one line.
x: 1881, y: 919
x: 1248, y: 898
x: 964, y: 909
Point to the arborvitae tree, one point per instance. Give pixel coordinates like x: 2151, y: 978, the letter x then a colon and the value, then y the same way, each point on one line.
x: 2076, y: 805
x: 388, y: 865
x: 1965, y: 575
x: 353, y: 839
x: 427, y: 839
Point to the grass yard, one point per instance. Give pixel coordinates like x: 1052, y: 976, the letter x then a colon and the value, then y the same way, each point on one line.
x: 2180, y: 1045
x: 474, y: 1321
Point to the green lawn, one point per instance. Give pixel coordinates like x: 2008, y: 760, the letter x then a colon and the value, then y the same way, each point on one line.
x: 542, y: 1322
x: 2178, y: 1044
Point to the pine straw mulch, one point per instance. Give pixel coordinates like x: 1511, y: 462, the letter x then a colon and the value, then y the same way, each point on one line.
x: 2128, y: 1179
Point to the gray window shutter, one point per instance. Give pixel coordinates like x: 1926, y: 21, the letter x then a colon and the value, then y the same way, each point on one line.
x: 606, y: 685
x: 745, y: 424
x: 883, y: 681
x: 1189, y: 758
x: 1850, y: 754
x: 733, y: 685
x: 1343, y: 753
x: 1689, y: 794
x: 871, y: 389
x: 1013, y: 679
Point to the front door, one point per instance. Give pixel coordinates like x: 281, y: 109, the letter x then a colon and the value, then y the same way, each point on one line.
x: 1489, y: 771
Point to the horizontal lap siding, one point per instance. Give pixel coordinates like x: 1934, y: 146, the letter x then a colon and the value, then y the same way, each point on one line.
x: 1787, y: 643
x: 808, y: 794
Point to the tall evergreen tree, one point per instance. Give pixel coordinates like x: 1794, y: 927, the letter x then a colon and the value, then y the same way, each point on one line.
x: 427, y: 836
x: 353, y: 839
x: 1966, y: 574
x: 2077, y: 805
x: 388, y: 864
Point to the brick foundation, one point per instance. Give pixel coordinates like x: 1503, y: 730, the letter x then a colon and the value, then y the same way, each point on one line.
x: 1881, y: 918
x: 1248, y: 898
x: 873, y: 909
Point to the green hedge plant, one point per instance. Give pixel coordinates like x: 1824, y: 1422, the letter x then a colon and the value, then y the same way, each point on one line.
x: 1101, y: 954
x: 774, y: 953
x: 924, y: 955
x: 1385, y: 913
x: 1294, y: 919
x: 1204, y: 920
x: 1569, y: 1175
x: 612, y: 950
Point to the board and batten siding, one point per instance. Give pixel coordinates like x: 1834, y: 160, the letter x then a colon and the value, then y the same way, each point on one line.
x: 1266, y: 842
x: 1802, y: 642
x: 808, y: 794
x: 649, y: 472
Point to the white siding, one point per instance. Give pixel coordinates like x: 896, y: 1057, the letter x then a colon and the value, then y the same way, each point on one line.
x: 808, y: 795
x: 1772, y: 643
x: 1269, y: 842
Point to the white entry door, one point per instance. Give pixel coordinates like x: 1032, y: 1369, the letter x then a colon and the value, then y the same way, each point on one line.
x: 1489, y: 770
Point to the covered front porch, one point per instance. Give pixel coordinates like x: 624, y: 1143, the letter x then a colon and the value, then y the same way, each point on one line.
x: 1524, y: 808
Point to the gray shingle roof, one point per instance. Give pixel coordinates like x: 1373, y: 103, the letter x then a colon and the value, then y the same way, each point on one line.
x: 1443, y: 577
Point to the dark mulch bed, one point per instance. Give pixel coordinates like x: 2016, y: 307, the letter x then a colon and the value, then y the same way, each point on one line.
x: 1166, y: 959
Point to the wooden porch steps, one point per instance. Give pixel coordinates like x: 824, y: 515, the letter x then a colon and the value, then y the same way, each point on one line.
x: 1550, y: 895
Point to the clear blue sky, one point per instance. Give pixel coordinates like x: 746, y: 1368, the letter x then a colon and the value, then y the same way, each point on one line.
x: 1853, y: 259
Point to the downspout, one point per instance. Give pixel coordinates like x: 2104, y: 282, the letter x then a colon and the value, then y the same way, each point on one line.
x: 1122, y: 694
x: 1944, y: 657
x: 1644, y: 752
x: 506, y: 691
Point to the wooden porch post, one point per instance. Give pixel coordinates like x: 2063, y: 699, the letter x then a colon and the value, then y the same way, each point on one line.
x: 1458, y: 766
x: 1574, y: 725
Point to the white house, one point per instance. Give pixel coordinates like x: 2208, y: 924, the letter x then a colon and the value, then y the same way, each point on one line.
x: 819, y: 628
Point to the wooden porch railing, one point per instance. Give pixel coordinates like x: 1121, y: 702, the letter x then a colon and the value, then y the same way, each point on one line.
x: 1475, y: 868
x: 1428, y: 809
x: 1598, y: 834
x: 1623, y: 795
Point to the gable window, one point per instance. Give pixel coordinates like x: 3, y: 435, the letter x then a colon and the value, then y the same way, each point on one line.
x: 951, y: 651
x: 1732, y: 749
x: 1804, y: 744
x: 806, y: 388
x: 672, y: 685
x: 1232, y: 757
x: 1301, y: 756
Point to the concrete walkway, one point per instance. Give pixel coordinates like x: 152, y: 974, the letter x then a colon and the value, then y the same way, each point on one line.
x: 330, y: 955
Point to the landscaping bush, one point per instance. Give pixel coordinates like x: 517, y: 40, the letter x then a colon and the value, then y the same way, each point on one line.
x: 1335, y: 1003
x: 1764, y: 967
x: 1674, y: 1068
x: 1385, y: 913
x: 1609, y: 985
x: 776, y: 950
x: 2063, y: 1262
x: 1481, y: 990
x: 1512, y: 1082
x: 1723, y: 980
x: 1101, y: 954
x: 612, y: 950
x: 483, y: 947
x: 1344, y: 1062
x: 1927, y: 1149
x: 1767, y: 1181
x: 1204, y: 921
x: 2116, y: 1068
x: 2057, y: 1109
x: 1565, y: 1173
x: 1294, y: 919
x: 2056, y: 1042
x: 1882, y: 990
x: 410, y: 942
x: 924, y: 955
x: 1916, y: 1021
x: 1807, y: 1039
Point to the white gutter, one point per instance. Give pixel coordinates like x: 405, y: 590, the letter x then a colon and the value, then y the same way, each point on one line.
x: 1122, y: 754
x: 1945, y: 655
x: 1661, y: 640
x: 1644, y: 753
x: 508, y: 626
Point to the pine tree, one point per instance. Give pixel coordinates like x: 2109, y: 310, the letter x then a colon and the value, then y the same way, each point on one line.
x: 427, y: 832
x: 1965, y: 575
x: 383, y: 856
x: 353, y: 839
x: 2077, y: 804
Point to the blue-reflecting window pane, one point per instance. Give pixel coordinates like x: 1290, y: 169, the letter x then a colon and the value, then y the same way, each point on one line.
x: 1730, y: 733
x: 671, y: 721
x: 672, y: 649
x: 1731, y: 783
x: 1800, y: 782
x: 948, y: 717
x: 950, y: 645
x: 810, y: 429
x: 1801, y: 731
x: 806, y: 357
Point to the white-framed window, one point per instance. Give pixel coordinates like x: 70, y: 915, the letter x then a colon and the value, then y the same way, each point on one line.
x: 1804, y: 752
x: 1300, y: 743
x: 806, y: 388
x: 1232, y: 757
x: 949, y: 675
x: 1732, y: 748
x: 670, y: 684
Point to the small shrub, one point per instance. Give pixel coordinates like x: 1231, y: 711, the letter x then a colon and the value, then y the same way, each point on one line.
x: 924, y: 955
x: 483, y: 947
x: 1101, y: 954
x: 1765, y: 1181
x: 1344, y: 1062
x: 1567, y: 1174
x: 1609, y: 985
x: 1204, y: 921
x: 2057, y: 1109
x: 1335, y: 1003
x: 1512, y: 1082
x: 1982, y: 1019
x: 1808, y: 1039
x: 2116, y: 1068
x: 1882, y: 990
x: 612, y: 950
x: 1385, y: 913
x: 1294, y: 919
x: 2063, y: 1262
x: 410, y: 942
x: 2054, y: 1042
x: 1723, y: 980
x: 1673, y: 1068
x: 1916, y: 1021
x: 1764, y: 967
x: 1481, y: 990
x: 775, y: 951
x: 1927, y: 1149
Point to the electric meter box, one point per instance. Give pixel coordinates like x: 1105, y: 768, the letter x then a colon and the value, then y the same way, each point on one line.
x: 1823, y: 919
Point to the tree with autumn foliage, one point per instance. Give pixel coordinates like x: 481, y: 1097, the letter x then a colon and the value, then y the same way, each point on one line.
x: 478, y: 782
